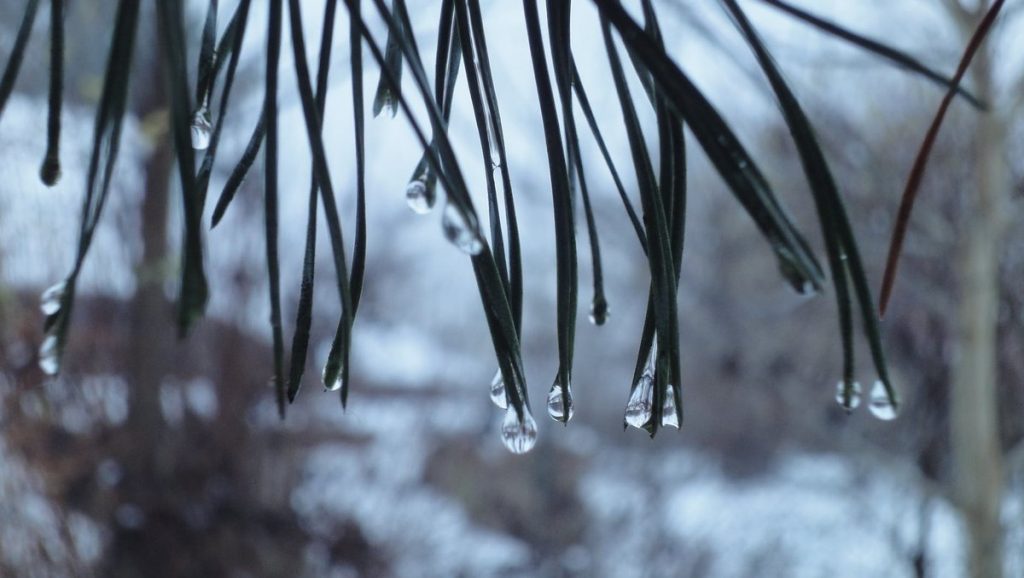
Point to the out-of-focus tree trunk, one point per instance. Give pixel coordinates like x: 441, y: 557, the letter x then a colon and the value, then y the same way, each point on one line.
x: 977, y: 455
x: 149, y: 310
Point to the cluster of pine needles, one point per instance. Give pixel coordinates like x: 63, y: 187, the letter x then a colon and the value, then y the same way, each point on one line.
x: 199, y: 107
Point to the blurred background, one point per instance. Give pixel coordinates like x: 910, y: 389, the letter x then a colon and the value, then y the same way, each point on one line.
x: 151, y: 456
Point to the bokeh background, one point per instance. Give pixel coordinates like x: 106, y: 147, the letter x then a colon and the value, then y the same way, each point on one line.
x: 151, y: 456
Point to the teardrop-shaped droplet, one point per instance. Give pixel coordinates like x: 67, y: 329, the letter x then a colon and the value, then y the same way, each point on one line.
x: 386, y: 100
x: 49, y: 301
x: 332, y: 383
x: 49, y: 356
x: 459, y: 230
x: 557, y: 403
x: 418, y: 196
x: 518, y: 435
x: 498, y: 391
x: 599, y: 311
x: 202, y: 127
x: 793, y: 273
x: 669, y: 417
x: 848, y: 401
x: 641, y: 402
x: 880, y: 404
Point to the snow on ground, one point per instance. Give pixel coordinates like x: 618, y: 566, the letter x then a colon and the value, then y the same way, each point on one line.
x: 38, y: 539
x: 813, y: 516
x: 648, y: 513
x: 424, y: 532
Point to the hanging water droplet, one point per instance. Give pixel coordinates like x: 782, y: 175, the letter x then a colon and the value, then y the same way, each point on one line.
x: 458, y: 229
x: 386, y: 100
x: 641, y: 402
x: 556, y: 403
x: 669, y: 417
x: 202, y: 126
x: 49, y: 301
x: 851, y: 403
x: 793, y: 273
x: 332, y: 384
x: 498, y: 391
x: 880, y: 404
x: 518, y: 435
x: 599, y: 311
x: 418, y: 196
x: 49, y: 356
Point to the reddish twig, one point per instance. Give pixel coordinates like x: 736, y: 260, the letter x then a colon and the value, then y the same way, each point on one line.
x: 917, y: 172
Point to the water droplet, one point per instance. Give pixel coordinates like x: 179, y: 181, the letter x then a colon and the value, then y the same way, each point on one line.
x: 49, y: 356
x: 518, y: 435
x: 329, y: 383
x: 599, y: 311
x: 556, y: 405
x: 669, y: 417
x: 880, y: 404
x: 641, y: 402
x: 498, y: 391
x: 461, y: 230
x: 386, y: 101
x: 49, y: 301
x: 793, y: 273
x: 854, y: 395
x: 802, y: 285
x: 202, y: 126
x: 418, y: 196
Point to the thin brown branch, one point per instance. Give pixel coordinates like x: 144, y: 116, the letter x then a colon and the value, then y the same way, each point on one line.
x: 921, y: 162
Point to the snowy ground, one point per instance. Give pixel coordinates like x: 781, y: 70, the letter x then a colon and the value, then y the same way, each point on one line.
x: 646, y: 512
